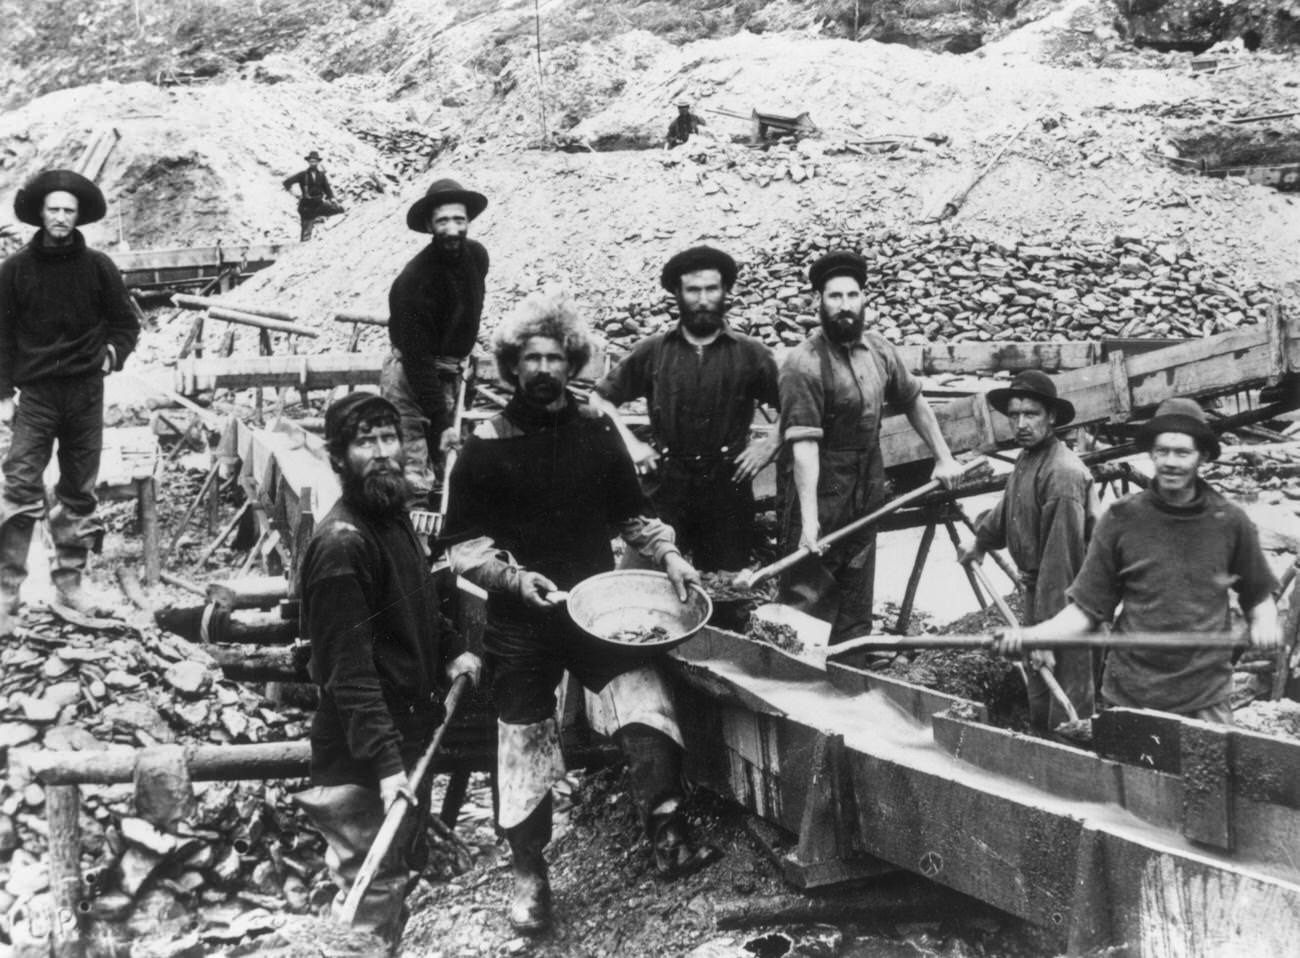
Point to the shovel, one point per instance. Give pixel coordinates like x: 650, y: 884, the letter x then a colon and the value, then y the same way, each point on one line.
x: 430, y: 523
x: 746, y: 579
x: 393, y: 820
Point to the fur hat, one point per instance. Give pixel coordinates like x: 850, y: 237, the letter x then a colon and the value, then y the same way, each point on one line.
x: 694, y: 259
x: 440, y: 192
x: 30, y: 200
x: 1179, y: 415
x: 1035, y: 384
x: 838, y: 263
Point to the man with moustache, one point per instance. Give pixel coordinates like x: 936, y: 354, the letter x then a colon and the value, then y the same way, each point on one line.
x: 434, y: 309
x: 65, y: 324
x: 701, y: 381
x: 1166, y: 558
x: 381, y: 656
x: 316, y: 196
x: 1043, y: 517
x: 834, y: 387
x: 534, y: 495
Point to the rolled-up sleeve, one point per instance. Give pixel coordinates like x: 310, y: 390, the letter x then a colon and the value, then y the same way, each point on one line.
x: 802, y: 396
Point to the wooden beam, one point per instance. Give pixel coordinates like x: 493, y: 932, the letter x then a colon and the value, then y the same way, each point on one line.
x: 188, y: 301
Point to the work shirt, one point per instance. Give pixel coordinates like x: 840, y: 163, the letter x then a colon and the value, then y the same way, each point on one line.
x: 434, y: 309
x: 312, y: 182
x: 1042, y: 519
x: 379, y: 646
x: 1171, y: 567
x: 701, y: 398
x: 61, y: 307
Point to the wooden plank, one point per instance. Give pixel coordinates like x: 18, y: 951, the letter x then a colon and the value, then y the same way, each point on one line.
x: 916, y: 700
x: 1139, y: 737
x: 1207, y: 783
x: 186, y: 257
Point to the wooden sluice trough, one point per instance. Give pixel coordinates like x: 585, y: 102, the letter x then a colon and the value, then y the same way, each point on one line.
x: 1178, y: 839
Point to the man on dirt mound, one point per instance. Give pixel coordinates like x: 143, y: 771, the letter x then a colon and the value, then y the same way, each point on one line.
x: 65, y: 324
x: 534, y: 495
x: 434, y: 310
x: 315, y: 196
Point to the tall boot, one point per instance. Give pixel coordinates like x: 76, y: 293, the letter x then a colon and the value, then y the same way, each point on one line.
x: 530, y: 907
x: 74, y: 536
x: 15, y: 540
x: 655, y: 775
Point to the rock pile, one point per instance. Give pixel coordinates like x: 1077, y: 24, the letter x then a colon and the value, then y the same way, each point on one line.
x: 410, y: 148
x: 933, y: 285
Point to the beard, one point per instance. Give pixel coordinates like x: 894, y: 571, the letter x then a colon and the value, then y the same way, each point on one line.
x: 843, y: 326
x: 382, y: 493
x: 543, y: 389
x: 702, y: 321
x: 449, y: 247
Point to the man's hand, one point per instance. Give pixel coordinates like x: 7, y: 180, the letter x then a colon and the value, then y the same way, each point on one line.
x: 948, y: 471
x: 393, y: 787
x: 451, y: 439
x: 970, y: 554
x: 1042, y: 659
x: 1266, y: 635
x: 467, y: 663
x: 1009, y: 643
x: 681, y: 574
x: 808, y: 537
x: 645, y: 457
x: 755, y: 457
x: 534, y: 588
x: 6, y: 411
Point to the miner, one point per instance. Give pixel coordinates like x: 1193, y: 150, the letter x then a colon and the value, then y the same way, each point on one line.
x: 1167, y: 558
x: 685, y: 125
x: 533, y: 497
x: 434, y: 309
x: 314, y: 193
x: 834, y: 386
x: 701, y: 381
x: 65, y: 324
x: 1043, y: 517
x: 381, y: 656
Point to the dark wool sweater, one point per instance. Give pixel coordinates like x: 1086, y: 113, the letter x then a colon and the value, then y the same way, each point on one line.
x: 378, y: 645
x: 434, y: 308
x: 60, y: 307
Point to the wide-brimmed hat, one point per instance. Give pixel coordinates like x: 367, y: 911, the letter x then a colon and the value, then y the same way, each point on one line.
x: 313, y: 155
x: 1179, y: 415
x: 341, y: 410
x: 838, y: 263
x: 91, y: 206
x: 695, y: 259
x: 440, y: 192
x: 1035, y: 384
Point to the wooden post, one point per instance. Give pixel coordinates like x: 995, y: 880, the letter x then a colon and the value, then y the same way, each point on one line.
x: 914, y: 580
x: 970, y: 576
x: 62, y: 811
x: 208, y: 482
x: 147, y: 509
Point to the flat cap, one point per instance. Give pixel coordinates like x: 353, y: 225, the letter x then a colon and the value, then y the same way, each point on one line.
x: 841, y: 262
x: 341, y: 410
x: 695, y: 259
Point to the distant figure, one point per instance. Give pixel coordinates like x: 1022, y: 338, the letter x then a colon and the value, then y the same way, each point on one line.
x: 65, y: 324
x: 314, y: 190
x: 684, y: 126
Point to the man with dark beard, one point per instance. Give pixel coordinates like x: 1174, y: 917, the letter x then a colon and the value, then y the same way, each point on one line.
x: 701, y: 382
x: 534, y: 495
x: 381, y: 656
x: 434, y: 309
x: 834, y: 387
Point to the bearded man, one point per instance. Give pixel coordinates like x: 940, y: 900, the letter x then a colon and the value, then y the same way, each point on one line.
x: 534, y: 495
x: 381, y: 656
x: 834, y: 387
x: 434, y: 310
x: 701, y: 381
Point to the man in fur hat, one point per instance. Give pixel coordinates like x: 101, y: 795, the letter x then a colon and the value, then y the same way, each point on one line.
x: 65, y: 324
x: 701, y: 381
x: 434, y: 309
x: 1167, y: 558
x: 834, y: 386
x: 1043, y: 517
x: 315, y: 197
x: 534, y: 496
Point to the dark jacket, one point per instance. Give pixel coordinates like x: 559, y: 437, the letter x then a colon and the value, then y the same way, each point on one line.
x: 312, y: 183
x: 434, y: 309
x: 379, y: 646
x: 60, y: 308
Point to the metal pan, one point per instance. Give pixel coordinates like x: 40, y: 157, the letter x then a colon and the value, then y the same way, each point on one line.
x: 636, y: 600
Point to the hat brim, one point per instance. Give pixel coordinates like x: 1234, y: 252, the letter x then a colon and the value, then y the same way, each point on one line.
x: 1063, y: 409
x: 91, y: 205
x: 1188, y: 425
x: 417, y: 217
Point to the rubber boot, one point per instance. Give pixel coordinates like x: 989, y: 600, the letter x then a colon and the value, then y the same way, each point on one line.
x: 530, y: 908
x: 15, y: 540
x: 70, y: 593
x: 74, y: 536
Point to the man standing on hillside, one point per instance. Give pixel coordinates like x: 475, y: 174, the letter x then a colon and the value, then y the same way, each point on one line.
x: 701, y: 382
x: 316, y: 198
x: 434, y: 309
x: 1043, y: 517
x: 684, y: 126
x: 1167, y: 558
x: 65, y: 324
x: 834, y: 387
x: 534, y: 496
